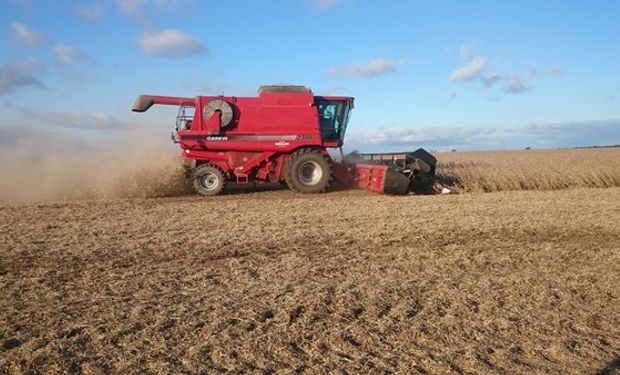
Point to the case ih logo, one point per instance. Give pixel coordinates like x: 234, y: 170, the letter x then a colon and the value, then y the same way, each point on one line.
x: 217, y: 138
x: 282, y: 143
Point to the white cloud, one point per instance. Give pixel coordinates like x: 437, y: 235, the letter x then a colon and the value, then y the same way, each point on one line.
x: 517, y: 85
x: 512, y: 82
x: 372, y: 68
x: 549, y: 135
x: 164, y: 5
x: 470, y: 70
x: 90, y: 12
x: 520, y: 83
x: 144, y: 10
x: 74, y: 119
x: 325, y: 4
x: 19, y: 73
x: 17, y: 137
x: 466, y: 51
x: 492, y: 78
x: 130, y: 7
x: 169, y: 43
x: 67, y: 54
x: 28, y: 36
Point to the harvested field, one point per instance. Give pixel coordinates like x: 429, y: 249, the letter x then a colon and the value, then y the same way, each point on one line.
x: 349, y: 282
x: 530, y: 169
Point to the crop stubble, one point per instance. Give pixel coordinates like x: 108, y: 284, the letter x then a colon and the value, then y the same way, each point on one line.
x: 530, y: 169
x: 509, y: 282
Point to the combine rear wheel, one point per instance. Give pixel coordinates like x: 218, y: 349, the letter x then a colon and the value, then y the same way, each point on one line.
x: 308, y: 171
x: 208, y: 180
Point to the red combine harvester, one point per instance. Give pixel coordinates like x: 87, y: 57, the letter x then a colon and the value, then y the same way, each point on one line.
x: 282, y: 136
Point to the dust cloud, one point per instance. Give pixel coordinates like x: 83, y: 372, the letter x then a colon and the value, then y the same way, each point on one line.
x: 38, y: 166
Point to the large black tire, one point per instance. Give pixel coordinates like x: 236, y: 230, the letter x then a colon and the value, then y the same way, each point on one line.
x: 208, y: 180
x: 308, y: 171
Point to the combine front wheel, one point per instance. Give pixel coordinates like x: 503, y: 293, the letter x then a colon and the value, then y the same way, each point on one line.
x: 208, y: 180
x: 308, y: 171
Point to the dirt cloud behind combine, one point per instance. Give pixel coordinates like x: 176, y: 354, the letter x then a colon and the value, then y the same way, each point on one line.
x: 140, y: 162
x: 39, y: 166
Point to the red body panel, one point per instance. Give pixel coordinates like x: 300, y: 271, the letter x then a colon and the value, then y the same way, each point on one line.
x: 370, y: 177
x: 263, y: 133
x: 362, y: 176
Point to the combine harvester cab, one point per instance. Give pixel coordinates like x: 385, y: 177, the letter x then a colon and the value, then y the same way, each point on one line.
x: 282, y: 135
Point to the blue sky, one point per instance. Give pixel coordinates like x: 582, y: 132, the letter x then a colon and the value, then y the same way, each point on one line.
x: 442, y: 75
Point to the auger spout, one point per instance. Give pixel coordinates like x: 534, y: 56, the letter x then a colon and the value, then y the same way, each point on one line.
x: 144, y: 102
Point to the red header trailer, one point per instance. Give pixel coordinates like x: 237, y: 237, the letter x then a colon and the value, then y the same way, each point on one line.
x: 282, y: 135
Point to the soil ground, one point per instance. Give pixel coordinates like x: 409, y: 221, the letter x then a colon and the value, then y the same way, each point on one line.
x: 345, y: 282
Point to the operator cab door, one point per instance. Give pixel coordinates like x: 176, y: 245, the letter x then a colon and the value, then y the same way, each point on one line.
x: 333, y: 117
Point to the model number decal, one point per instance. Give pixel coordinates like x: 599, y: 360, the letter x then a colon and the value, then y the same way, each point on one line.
x: 304, y: 137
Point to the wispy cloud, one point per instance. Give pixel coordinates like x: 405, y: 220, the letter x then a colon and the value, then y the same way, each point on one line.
x: 74, y: 119
x: 469, y: 71
x: 466, y: 51
x: 22, y: 3
x: 519, y: 83
x: 474, y: 69
x: 170, y: 43
x: 371, y: 68
x: 130, y: 7
x: 67, y: 55
x: 28, y: 36
x: 549, y: 135
x: 325, y: 4
x: 13, y: 137
x: 90, y: 12
x: 146, y: 11
x: 554, y: 70
x: 19, y: 74
x: 331, y: 90
x: 491, y: 79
